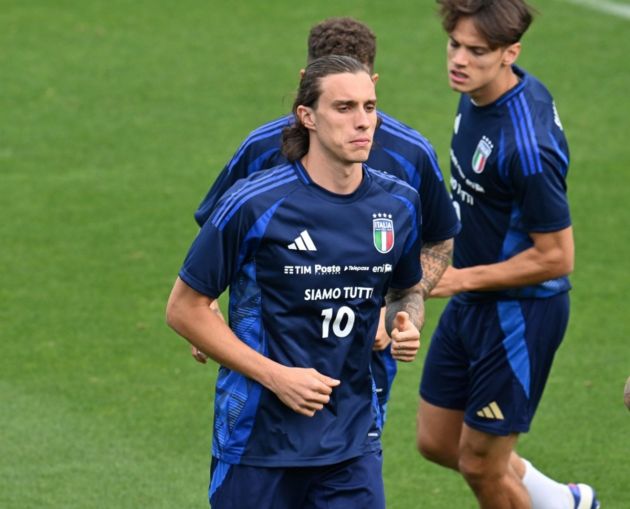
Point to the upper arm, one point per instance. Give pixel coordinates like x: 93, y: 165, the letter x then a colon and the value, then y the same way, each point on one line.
x: 182, y: 300
x: 439, y: 220
x: 538, y: 171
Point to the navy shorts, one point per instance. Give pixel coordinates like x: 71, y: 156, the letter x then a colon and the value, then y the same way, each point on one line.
x: 492, y: 360
x: 357, y: 482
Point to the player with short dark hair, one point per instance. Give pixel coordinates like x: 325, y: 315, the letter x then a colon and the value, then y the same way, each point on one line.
x: 491, y: 353
x: 397, y: 149
x: 308, y: 250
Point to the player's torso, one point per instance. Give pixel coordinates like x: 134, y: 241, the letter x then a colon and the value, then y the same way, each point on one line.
x: 480, y: 186
x: 322, y: 267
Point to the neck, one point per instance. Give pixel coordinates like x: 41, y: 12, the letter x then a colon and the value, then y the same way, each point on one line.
x: 506, y: 81
x: 336, y: 176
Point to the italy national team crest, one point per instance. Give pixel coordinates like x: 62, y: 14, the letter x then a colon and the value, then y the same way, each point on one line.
x: 383, y: 232
x: 481, y: 155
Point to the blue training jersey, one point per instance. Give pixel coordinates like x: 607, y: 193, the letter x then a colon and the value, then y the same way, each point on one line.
x: 397, y: 149
x: 307, y: 271
x: 509, y: 162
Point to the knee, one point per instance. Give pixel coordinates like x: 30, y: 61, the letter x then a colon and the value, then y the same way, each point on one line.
x: 472, y: 469
x: 436, y: 452
x: 426, y: 447
x: 478, y: 470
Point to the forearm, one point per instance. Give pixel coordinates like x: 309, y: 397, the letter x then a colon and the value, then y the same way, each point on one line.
x: 529, y: 267
x: 194, y: 320
x: 435, y: 258
x: 409, y: 300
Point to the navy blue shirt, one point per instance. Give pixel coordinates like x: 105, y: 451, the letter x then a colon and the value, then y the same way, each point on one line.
x: 509, y: 162
x: 307, y: 271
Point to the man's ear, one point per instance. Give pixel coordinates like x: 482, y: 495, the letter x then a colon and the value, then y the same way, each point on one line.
x: 375, y: 78
x: 302, y: 71
x: 511, y: 53
x: 305, y: 116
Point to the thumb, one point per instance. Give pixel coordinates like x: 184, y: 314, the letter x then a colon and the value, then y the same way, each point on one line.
x: 401, y: 321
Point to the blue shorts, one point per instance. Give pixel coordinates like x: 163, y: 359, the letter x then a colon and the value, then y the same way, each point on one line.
x: 357, y: 482
x: 492, y: 359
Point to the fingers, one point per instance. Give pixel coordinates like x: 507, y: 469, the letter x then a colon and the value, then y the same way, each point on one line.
x: 307, y: 391
x: 198, y: 355
x: 328, y: 382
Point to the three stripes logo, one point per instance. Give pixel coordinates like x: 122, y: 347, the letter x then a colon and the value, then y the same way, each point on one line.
x: 492, y: 411
x: 303, y: 242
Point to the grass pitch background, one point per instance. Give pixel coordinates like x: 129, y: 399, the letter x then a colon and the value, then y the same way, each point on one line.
x: 116, y: 117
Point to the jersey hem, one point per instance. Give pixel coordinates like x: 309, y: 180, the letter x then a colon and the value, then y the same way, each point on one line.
x: 302, y: 462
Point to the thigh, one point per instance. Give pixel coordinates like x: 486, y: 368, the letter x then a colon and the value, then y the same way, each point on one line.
x: 354, y: 483
x: 438, y: 433
x: 245, y: 487
x: 445, y: 372
x: 511, y: 358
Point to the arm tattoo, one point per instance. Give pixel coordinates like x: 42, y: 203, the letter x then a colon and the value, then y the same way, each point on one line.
x: 409, y: 300
x: 434, y: 257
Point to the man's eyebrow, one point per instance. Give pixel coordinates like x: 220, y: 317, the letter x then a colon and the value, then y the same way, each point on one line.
x: 350, y: 102
x: 484, y: 47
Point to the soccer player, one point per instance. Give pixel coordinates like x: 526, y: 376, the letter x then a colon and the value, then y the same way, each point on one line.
x: 308, y: 250
x: 491, y: 353
x: 397, y: 149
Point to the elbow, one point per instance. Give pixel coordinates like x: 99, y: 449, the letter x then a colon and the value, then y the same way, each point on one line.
x: 562, y: 266
x: 173, y: 315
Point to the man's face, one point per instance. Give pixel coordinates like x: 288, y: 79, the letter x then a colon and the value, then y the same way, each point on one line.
x: 474, y: 68
x: 343, y: 121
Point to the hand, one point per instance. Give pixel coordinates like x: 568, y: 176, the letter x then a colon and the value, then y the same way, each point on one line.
x: 198, y: 355
x: 449, y: 284
x: 405, y: 338
x: 303, y: 390
x: 382, y: 339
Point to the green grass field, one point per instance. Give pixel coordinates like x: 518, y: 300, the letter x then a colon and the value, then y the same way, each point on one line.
x: 116, y: 117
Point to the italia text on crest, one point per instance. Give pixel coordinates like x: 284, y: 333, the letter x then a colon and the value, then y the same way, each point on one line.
x: 383, y: 232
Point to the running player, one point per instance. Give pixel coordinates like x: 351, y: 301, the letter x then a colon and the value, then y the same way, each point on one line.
x: 397, y: 149
x: 492, y: 351
x: 308, y: 250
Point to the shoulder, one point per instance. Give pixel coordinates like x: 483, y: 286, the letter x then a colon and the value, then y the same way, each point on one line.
x: 391, y: 184
x: 255, y: 194
x: 391, y: 130
x: 270, y: 128
x: 264, y: 137
x: 530, y: 99
x: 537, y: 136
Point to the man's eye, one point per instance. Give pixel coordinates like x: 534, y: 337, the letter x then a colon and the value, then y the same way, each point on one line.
x: 370, y: 108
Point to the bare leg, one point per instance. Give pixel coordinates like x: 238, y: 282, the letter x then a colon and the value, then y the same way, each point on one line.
x: 438, y: 434
x: 485, y: 463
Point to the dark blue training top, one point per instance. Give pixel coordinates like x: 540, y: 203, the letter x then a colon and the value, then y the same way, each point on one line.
x: 509, y: 162
x: 397, y: 149
x: 307, y: 271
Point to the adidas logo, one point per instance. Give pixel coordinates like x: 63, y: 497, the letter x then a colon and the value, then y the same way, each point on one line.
x: 492, y: 411
x: 303, y: 243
